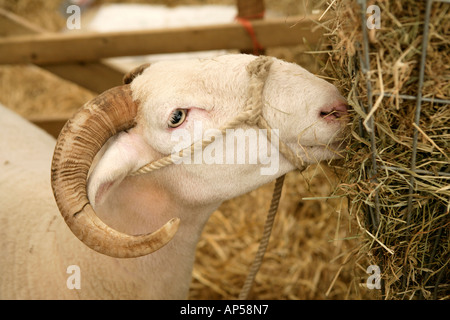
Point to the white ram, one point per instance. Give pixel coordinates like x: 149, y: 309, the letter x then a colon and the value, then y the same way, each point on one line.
x: 37, y: 247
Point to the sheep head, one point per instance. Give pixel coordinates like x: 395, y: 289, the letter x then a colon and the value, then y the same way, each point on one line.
x: 140, y: 118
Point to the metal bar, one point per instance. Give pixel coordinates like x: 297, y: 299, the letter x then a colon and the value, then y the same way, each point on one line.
x: 418, y: 106
x: 366, y: 68
x: 362, y: 106
x: 374, y: 217
x: 417, y: 171
x: 408, y: 97
x: 416, y: 120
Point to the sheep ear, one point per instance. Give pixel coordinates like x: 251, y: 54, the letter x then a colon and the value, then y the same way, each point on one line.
x: 129, y: 77
x: 124, y: 153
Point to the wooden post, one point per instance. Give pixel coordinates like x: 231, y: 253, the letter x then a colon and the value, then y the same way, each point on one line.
x: 249, y: 10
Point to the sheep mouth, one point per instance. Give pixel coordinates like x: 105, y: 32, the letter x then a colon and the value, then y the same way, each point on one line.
x: 323, y: 152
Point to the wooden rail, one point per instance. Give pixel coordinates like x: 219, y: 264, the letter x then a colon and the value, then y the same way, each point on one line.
x: 52, y: 48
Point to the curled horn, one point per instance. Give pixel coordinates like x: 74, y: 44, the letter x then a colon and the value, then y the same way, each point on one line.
x: 78, y: 143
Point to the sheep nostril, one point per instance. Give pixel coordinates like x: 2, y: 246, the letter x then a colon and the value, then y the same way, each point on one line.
x: 324, y: 114
x: 334, y: 112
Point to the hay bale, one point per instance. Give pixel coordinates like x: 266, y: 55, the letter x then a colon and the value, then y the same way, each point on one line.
x: 398, y: 163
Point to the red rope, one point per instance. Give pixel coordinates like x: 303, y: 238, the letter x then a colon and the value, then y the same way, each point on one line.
x: 248, y: 26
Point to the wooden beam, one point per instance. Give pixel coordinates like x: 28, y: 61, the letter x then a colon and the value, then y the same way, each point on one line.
x: 14, y: 25
x: 249, y: 10
x: 94, y: 76
x: 68, y: 48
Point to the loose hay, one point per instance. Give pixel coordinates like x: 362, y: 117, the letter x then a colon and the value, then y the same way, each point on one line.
x: 410, y: 245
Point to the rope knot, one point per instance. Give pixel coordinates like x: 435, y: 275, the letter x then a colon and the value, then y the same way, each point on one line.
x: 258, y: 70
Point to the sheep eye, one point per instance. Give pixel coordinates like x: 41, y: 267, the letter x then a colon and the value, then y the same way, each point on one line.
x: 177, y: 118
